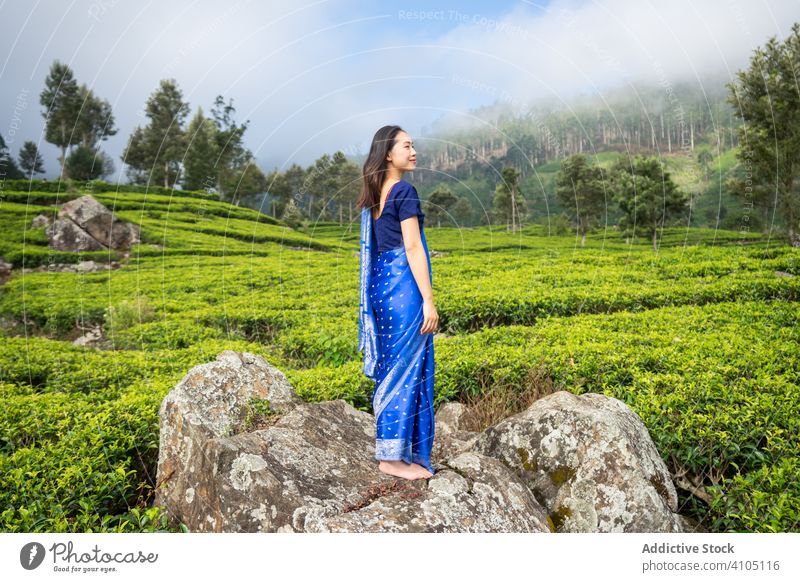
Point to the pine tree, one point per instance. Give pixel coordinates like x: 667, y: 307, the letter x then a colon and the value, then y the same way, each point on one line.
x: 767, y: 98
x: 95, y: 120
x: 509, y: 204
x: 30, y: 160
x: 646, y: 195
x: 346, y: 181
x: 8, y: 167
x: 201, y: 161
x: 86, y: 163
x: 279, y: 192
x: 581, y: 190
x: 233, y: 157
x: 440, y: 203
x: 154, y: 153
x: 61, y: 101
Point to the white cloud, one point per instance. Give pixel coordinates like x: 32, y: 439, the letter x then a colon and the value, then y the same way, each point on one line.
x: 575, y: 47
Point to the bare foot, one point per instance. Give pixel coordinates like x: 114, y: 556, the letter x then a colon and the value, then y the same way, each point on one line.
x: 403, y: 469
x: 422, y: 471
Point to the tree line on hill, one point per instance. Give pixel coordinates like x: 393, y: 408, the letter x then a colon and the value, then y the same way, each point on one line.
x: 643, y: 118
x: 209, y: 154
x: 766, y: 97
x: 642, y: 191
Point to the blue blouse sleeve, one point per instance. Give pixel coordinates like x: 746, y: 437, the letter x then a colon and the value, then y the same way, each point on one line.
x: 408, y: 203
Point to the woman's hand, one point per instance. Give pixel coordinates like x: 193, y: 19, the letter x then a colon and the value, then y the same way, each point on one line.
x: 430, y: 318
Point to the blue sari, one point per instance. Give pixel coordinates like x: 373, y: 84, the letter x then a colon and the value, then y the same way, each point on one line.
x: 396, y: 355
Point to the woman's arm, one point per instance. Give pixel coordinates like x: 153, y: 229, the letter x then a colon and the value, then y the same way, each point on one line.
x: 418, y: 261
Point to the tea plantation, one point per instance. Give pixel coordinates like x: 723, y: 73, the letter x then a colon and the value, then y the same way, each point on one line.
x: 701, y: 340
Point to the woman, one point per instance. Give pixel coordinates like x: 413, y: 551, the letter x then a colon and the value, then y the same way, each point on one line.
x: 397, y: 317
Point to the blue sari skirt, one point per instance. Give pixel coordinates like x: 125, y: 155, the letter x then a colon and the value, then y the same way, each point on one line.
x: 403, y: 360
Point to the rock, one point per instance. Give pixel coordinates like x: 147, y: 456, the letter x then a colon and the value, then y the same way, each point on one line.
x: 448, y: 418
x: 450, y: 440
x: 80, y: 267
x: 196, y: 418
x: 88, y: 267
x: 568, y: 463
x: 311, y: 462
x: 91, y: 338
x: 40, y: 220
x: 65, y: 235
x: 5, y: 270
x: 783, y: 274
x: 84, y: 224
x: 590, y: 462
x: 471, y: 493
x: 313, y: 468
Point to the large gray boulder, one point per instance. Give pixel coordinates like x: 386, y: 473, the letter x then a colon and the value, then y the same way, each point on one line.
x: 568, y: 463
x: 205, y: 406
x: 84, y: 224
x: 65, y: 235
x: 312, y: 468
x: 590, y: 461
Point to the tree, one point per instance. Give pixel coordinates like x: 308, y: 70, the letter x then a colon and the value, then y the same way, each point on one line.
x: 30, y: 160
x: 509, y: 204
x: 318, y: 183
x: 61, y: 100
x: 74, y: 115
x: 200, y: 161
x: 250, y: 180
x: 324, y: 190
x: 8, y: 167
x: 94, y: 120
x: 768, y: 102
x: 346, y: 180
x: 136, y: 157
x: 646, y: 195
x: 233, y: 157
x: 756, y: 194
x: 85, y: 163
x: 290, y: 193
x: 581, y: 190
x: 279, y: 192
x: 154, y: 153
x: 439, y: 204
x: 462, y: 212
x: 292, y: 215
x: 704, y: 158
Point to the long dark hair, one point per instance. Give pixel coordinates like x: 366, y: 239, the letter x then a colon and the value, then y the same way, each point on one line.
x: 374, y: 171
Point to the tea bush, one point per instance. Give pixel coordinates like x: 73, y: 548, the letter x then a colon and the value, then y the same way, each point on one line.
x: 700, y: 339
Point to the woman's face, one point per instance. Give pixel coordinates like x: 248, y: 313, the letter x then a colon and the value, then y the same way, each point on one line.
x: 403, y: 156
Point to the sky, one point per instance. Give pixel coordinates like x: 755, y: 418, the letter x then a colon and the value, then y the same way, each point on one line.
x: 316, y: 76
